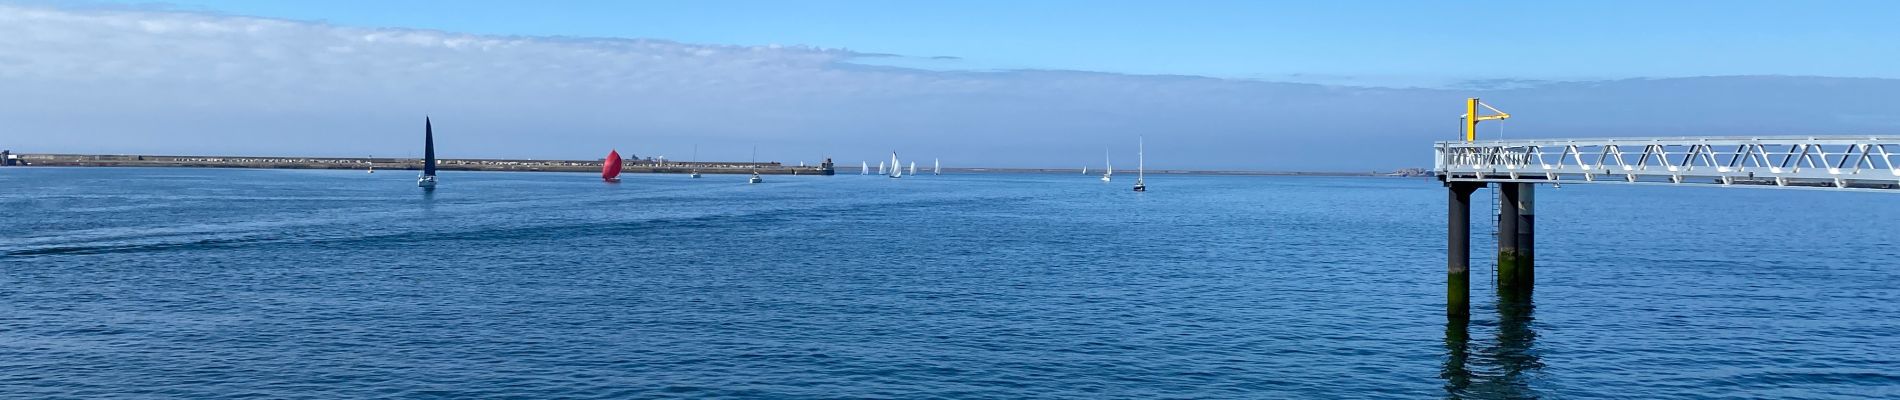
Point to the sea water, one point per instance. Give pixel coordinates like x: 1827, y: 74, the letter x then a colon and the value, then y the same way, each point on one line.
x: 214, y: 283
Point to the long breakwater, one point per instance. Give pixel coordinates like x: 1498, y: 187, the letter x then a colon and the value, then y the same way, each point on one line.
x: 367, y: 163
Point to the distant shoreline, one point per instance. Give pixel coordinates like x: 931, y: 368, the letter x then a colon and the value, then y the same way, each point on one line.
x: 526, y: 165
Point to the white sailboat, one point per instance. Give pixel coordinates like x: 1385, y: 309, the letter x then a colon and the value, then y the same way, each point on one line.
x: 864, y: 168
x: 1111, y: 166
x: 913, y: 167
x: 880, y: 168
x: 1141, y: 164
x: 695, y: 174
x: 755, y: 166
x: 1085, y: 170
x: 897, y: 170
x: 936, y: 166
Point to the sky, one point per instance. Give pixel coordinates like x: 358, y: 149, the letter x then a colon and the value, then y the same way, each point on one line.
x: 1382, y: 43
x: 1210, y: 84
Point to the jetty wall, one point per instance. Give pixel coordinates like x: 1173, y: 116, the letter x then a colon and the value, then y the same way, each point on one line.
x: 447, y: 164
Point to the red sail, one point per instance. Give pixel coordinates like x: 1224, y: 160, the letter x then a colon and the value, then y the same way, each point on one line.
x: 611, y: 171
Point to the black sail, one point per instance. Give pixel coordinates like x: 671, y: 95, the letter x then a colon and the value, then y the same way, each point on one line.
x: 428, y: 148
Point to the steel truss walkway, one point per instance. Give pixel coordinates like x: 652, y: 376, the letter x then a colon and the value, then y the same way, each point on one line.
x: 1831, y: 162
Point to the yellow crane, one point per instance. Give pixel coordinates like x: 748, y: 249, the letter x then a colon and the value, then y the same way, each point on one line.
x: 1471, y: 117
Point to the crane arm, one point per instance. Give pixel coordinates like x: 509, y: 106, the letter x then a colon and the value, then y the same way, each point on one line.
x: 1472, y: 118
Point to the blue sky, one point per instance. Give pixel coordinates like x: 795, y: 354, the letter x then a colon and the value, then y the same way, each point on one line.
x: 1379, y: 43
x: 1212, y: 85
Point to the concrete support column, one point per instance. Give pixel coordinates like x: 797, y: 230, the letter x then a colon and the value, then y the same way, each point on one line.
x: 1526, y: 236
x: 1458, y: 250
x: 1516, y: 216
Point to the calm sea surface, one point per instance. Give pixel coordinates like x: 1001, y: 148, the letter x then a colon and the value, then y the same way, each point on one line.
x: 199, y: 283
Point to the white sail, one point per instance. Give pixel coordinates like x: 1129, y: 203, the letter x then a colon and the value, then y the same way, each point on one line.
x: 913, y: 167
x: 897, y: 168
x: 880, y: 168
x: 1085, y: 170
x: 864, y: 168
x: 936, y: 166
x: 1108, y: 174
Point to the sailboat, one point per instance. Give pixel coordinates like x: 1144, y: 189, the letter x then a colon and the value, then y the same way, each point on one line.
x: 864, y: 168
x: 1141, y: 164
x: 1085, y: 170
x: 610, y: 169
x: 913, y: 167
x: 936, y: 166
x: 427, y: 180
x: 1110, y: 165
x: 880, y: 168
x: 755, y: 166
x: 896, y: 171
x: 695, y: 173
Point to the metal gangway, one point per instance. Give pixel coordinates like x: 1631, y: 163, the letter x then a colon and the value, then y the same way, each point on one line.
x: 1513, y: 169
x: 1824, y: 162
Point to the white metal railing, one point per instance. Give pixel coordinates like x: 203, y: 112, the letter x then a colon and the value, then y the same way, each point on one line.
x: 1856, y: 162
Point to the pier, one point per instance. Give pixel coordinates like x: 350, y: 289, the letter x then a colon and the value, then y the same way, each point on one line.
x: 1516, y: 167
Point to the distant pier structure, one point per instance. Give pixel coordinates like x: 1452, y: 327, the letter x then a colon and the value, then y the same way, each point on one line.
x: 1516, y: 167
x: 7, y: 159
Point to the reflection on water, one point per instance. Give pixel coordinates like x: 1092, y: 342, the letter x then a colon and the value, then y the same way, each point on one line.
x: 1457, y: 352
x: 1502, y: 368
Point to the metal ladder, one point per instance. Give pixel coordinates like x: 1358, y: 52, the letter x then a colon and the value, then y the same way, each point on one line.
x: 1496, y: 219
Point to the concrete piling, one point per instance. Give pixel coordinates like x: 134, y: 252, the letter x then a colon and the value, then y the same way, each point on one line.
x: 1458, y: 250
x: 1516, y: 233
